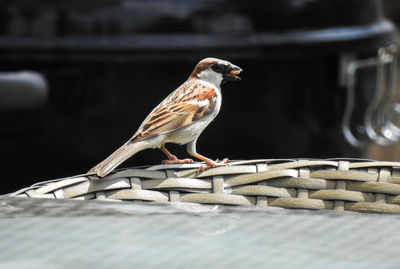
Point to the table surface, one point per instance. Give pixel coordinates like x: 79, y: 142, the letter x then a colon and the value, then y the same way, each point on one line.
x: 45, y: 233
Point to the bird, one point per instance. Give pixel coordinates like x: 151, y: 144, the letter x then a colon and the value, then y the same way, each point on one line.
x: 180, y: 118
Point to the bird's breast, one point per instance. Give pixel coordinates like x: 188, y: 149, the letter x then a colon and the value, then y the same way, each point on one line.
x: 191, y: 132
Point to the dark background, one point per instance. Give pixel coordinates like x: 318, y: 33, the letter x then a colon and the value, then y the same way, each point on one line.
x: 108, y: 63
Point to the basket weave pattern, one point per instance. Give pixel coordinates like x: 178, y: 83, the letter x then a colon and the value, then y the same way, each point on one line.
x: 337, y: 184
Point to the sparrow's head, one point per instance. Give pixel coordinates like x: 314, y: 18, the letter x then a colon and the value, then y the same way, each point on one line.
x: 216, y: 71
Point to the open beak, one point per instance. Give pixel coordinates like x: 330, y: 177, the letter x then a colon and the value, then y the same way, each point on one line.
x: 233, y: 72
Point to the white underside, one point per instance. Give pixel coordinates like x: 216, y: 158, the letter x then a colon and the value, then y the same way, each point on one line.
x: 191, y: 132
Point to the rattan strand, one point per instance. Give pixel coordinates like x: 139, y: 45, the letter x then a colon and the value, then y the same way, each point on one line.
x: 336, y: 184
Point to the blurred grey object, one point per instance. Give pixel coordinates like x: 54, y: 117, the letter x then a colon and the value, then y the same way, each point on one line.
x: 45, y: 233
x: 21, y: 90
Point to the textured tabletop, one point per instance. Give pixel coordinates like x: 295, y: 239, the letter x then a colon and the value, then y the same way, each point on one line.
x: 49, y: 233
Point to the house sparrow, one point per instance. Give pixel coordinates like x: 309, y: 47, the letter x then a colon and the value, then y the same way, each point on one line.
x: 180, y: 118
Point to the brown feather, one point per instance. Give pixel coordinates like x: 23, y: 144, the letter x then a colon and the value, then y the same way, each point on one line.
x: 176, y: 111
x: 201, y: 66
x: 117, y: 157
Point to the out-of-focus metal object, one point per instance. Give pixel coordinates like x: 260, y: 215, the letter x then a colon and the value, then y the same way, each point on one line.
x: 22, y: 90
x: 382, y: 113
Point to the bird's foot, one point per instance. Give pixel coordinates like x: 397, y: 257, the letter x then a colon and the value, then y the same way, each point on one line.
x: 176, y: 160
x: 212, y: 164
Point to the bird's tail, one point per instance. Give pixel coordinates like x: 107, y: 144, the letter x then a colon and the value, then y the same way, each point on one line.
x: 117, y: 157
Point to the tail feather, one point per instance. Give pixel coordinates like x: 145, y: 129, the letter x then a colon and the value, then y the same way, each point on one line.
x: 117, y: 157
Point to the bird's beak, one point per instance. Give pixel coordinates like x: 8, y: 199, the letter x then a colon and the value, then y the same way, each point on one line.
x: 232, y: 73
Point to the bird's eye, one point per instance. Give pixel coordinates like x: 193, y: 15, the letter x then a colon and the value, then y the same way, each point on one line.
x: 219, y: 68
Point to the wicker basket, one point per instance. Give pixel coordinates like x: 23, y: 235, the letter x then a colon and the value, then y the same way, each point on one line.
x: 333, y: 184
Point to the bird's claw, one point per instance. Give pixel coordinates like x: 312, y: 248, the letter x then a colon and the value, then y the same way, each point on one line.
x: 175, y: 161
x: 226, y: 160
x: 212, y: 164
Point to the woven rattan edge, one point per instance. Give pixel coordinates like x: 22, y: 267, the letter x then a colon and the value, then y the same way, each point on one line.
x: 335, y: 184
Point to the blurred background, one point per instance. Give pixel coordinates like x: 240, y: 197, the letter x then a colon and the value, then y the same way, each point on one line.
x: 77, y: 78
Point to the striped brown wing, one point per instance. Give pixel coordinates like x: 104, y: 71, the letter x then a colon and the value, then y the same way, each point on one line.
x: 188, y: 103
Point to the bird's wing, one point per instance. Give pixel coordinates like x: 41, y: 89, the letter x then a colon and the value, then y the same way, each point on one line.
x: 187, y: 104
